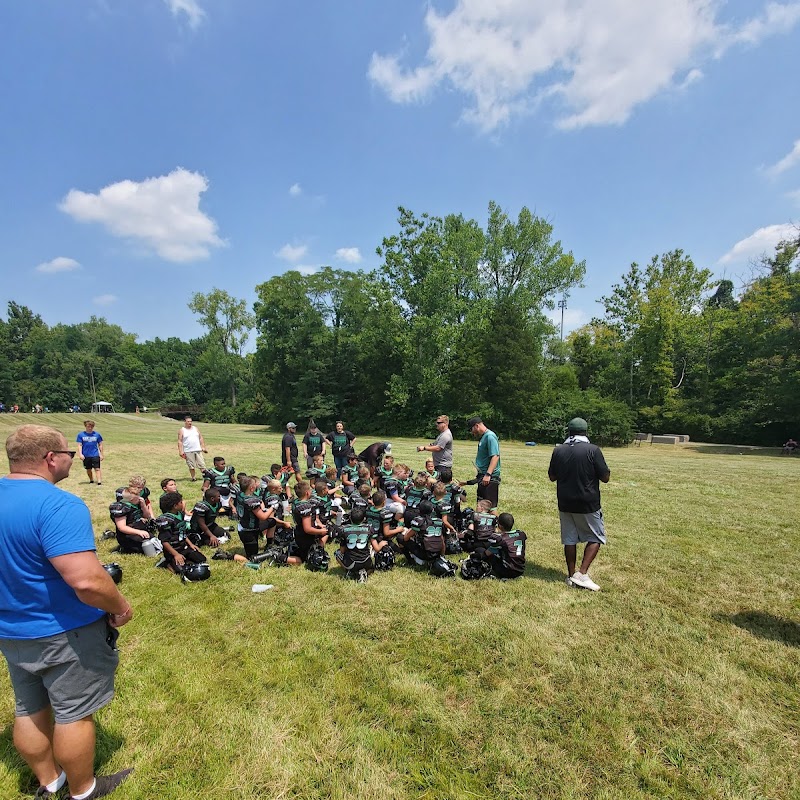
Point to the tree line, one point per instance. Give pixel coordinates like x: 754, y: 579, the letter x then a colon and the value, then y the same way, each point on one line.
x: 453, y: 321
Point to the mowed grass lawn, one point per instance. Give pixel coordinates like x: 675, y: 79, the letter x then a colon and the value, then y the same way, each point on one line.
x: 679, y: 679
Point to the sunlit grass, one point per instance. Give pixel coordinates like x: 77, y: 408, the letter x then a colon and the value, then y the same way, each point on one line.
x: 679, y: 679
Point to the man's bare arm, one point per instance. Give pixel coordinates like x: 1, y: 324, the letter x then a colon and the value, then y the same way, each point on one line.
x: 93, y: 585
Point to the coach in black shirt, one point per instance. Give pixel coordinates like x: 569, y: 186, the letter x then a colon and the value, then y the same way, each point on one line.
x: 578, y: 466
x: 289, y: 449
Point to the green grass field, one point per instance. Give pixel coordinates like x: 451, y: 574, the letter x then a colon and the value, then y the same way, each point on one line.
x: 680, y: 679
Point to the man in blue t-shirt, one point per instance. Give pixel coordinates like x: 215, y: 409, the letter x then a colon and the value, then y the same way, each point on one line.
x: 487, y: 462
x: 58, y: 613
x: 90, y: 450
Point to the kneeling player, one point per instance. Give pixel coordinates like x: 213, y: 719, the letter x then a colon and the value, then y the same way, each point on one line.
x: 204, y: 518
x: 505, y: 552
x: 221, y: 477
x: 131, y: 516
x: 308, y: 530
x: 358, y: 540
x: 423, y: 540
x: 251, y: 512
x: 173, y: 530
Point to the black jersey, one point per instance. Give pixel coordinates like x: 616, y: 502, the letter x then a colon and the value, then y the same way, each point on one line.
x: 483, y: 524
x: 442, y: 508
x: 392, y: 485
x: 324, y: 507
x: 314, y: 474
x: 220, y: 479
x: 415, y: 496
x: 351, y: 472
x: 374, y: 518
x: 456, y: 494
x: 172, y: 530
x: 246, y: 506
x: 509, y: 546
x: 303, y: 509
x: 274, y: 502
x: 357, y: 501
x: 125, y: 512
x: 428, y: 533
x: 358, y: 537
x: 386, y: 518
x: 205, y: 511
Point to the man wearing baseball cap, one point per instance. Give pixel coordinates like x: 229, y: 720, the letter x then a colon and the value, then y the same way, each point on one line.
x: 578, y: 466
x: 487, y: 462
x: 289, y: 450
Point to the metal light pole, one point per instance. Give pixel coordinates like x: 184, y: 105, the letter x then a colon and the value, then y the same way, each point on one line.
x: 562, y: 304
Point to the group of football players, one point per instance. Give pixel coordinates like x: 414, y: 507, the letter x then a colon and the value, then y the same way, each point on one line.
x: 369, y: 514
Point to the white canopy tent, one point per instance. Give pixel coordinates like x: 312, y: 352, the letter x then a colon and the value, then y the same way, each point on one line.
x: 102, y: 408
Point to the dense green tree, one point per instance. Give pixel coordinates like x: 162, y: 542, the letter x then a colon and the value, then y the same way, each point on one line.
x: 229, y: 325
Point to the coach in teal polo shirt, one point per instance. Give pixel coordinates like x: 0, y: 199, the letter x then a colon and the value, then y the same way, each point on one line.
x: 487, y: 461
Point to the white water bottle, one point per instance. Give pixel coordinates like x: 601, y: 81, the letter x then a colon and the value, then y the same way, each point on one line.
x: 262, y: 587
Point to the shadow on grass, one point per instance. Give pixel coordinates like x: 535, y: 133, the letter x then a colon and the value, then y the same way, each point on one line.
x: 541, y: 573
x: 766, y: 626
x: 107, y: 744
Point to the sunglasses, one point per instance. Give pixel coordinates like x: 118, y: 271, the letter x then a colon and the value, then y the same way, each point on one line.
x: 70, y: 453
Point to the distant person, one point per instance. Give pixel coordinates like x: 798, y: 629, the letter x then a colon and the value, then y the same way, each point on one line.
x: 191, y: 446
x: 577, y: 467
x: 790, y: 446
x: 289, y: 451
x: 487, y: 461
x: 442, y: 448
x: 59, y: 611
x: 341, y: 442
x: 90, y: 451
x: 313, y: 444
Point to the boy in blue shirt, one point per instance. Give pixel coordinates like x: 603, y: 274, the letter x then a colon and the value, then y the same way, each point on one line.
x: 90, y: 450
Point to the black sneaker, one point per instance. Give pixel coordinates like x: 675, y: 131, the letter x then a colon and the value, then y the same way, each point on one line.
x: 105, y: 784
x: 109, y: 535
x: 362, y: 576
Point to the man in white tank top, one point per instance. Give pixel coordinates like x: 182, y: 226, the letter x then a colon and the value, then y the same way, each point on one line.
x: 191, y: 446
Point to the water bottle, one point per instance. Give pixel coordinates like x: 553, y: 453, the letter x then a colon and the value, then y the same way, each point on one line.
x: 262, y: 587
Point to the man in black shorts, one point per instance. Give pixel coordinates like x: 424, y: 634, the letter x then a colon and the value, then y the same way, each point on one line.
x: 289, y: 450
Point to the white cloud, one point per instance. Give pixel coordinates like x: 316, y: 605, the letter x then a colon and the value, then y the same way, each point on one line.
x: 352, y: 255
x: 295, y: 190
x: 306, y: 269
x: 598, y: 58
x: 104, y: 299
x: 60, y: 264
x: 292, y: 253
x: 163, y: 213
x: 764, y: 240
x: 194, y: 13
x: 573, y: 318
x: 790, y: 160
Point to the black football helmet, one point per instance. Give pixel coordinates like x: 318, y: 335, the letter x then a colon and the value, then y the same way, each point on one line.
x: 473, y: 569
x: 318, y: 560
x: 115, y: 571
x: 384, y: 559
x: 442, y: 568
x: 190, y: 573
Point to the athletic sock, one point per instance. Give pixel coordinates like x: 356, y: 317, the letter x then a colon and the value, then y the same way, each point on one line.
x: 84, y: 795
x: 57, y: 783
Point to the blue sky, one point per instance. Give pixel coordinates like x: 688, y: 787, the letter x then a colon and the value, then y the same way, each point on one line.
x: 156, y: 148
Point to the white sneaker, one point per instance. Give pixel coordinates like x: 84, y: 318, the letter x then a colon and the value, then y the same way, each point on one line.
x: 584, y: 582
